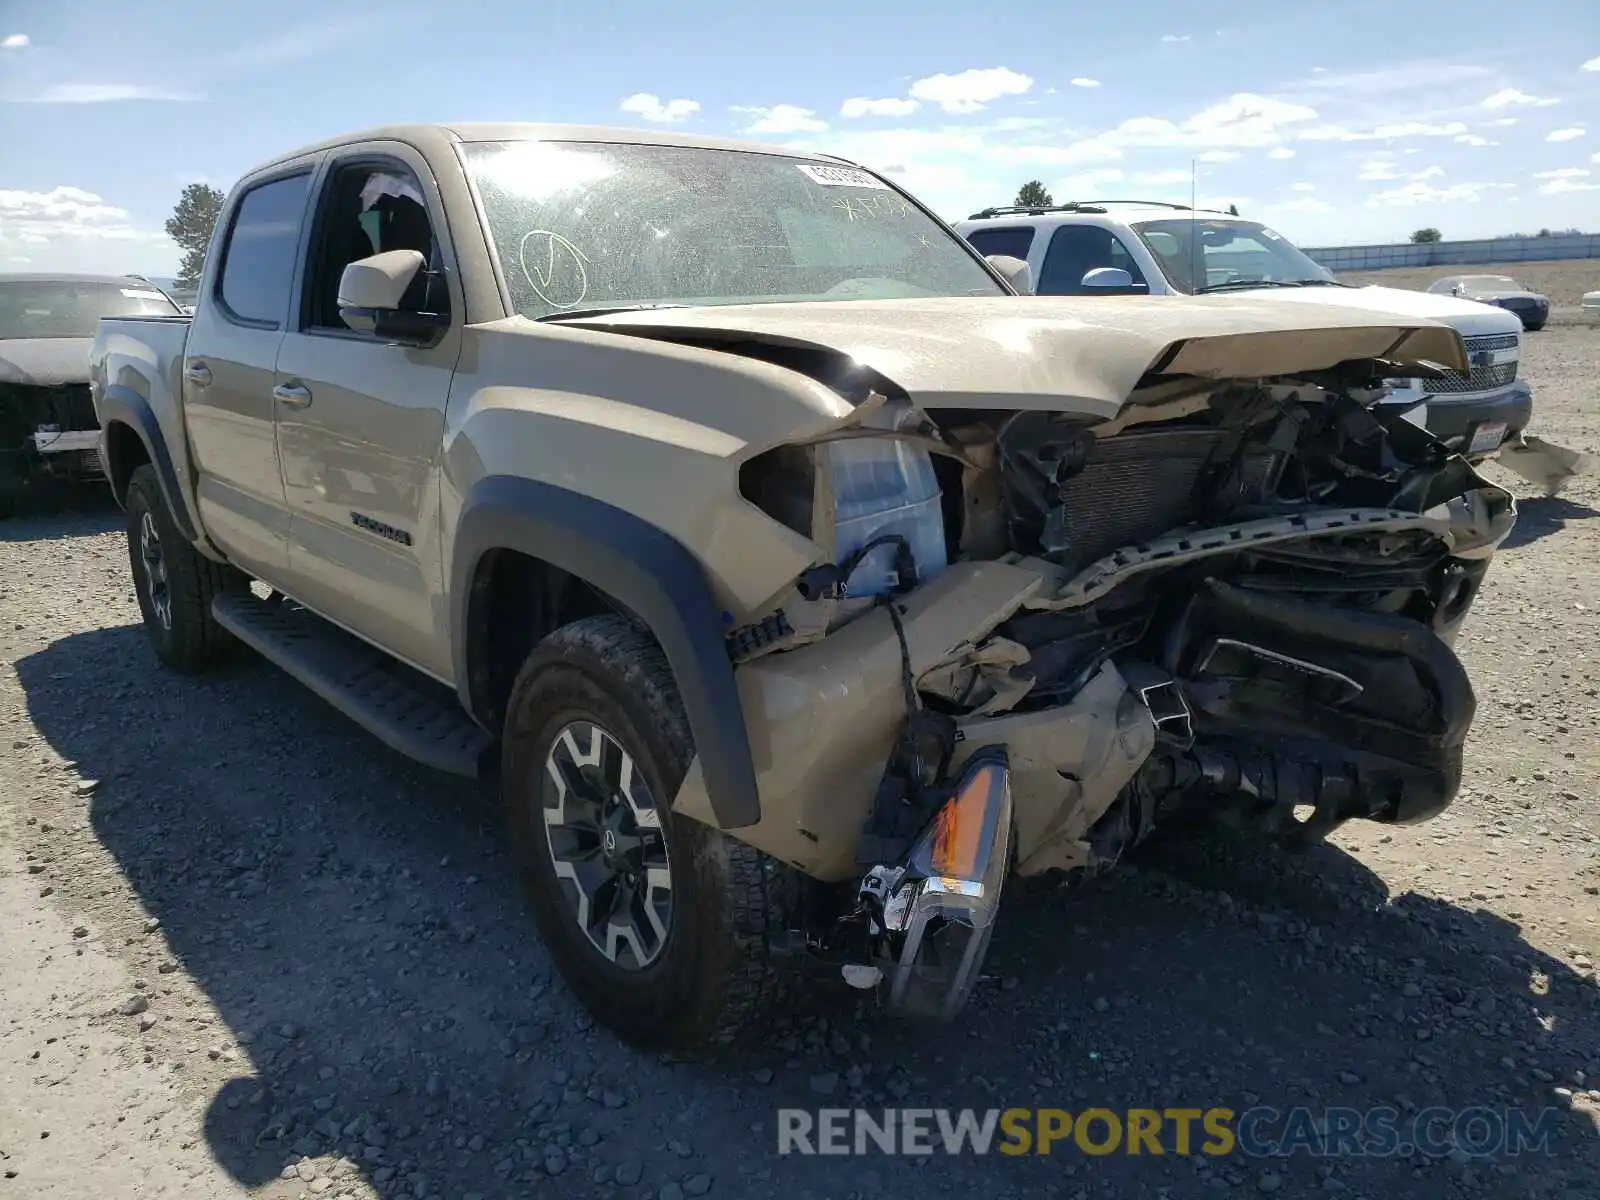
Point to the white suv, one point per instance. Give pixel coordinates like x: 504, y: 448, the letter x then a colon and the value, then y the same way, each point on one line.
x: 1134, y: 247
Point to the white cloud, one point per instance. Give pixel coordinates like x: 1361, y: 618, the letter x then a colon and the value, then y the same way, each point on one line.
x: 1162, y: 178
x: 783, y: 118
x: 103, y: 93
x: 860, y: 106
x: 1174, y: 37
x: 1472, y: 139
x: 970, y: 90
x: 1511, y: 98
x: 1083, y: 185
x: 1377, y: 169
x: 1398, y: 129
x: 1305, y: 205
x: 14, y: 41
x: 1421, y: 193
x: 1563, y: 135
x: 1243, y: 119
x: 1095, y: 149
x: 72, y: 224
x: 1085, y: 82
x: 1280, y: 152
x: 1503, y: 122
x: 1592, y: 65
x: 653, y: 108
x: 1562, y: 173
x: 1558, y: 187
x: 1302, y: 186
x: 1220, y: 156
x: 1429, y: 173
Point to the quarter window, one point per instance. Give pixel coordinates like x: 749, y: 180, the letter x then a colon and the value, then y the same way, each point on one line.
x: 258, y: 261
x: 1014, y: 241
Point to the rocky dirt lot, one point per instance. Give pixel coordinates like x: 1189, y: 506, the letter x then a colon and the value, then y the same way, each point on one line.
x: 244, y: 949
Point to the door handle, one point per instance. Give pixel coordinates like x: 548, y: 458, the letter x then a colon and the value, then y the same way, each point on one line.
x: 196, y: 372
x: 292, y: 394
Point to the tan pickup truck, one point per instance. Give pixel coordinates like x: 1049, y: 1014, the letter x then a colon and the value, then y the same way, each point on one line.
x: 798, y: 581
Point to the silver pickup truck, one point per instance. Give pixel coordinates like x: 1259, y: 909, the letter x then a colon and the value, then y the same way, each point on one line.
x: 798, y: 582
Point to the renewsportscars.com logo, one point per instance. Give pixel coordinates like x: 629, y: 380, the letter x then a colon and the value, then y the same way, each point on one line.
x: 1255, y: 1132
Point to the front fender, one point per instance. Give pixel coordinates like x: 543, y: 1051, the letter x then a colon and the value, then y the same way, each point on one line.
x: 646, y: 571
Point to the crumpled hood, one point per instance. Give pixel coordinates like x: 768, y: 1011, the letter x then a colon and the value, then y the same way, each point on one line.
x: 44, y: 362
x: 1036, y: 352
x: 1467, y: 317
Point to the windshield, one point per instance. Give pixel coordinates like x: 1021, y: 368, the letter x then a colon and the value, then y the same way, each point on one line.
x: 61, y: 308
x: 1204, y: 253
x: 1489, y: 283
x: 586, y: 225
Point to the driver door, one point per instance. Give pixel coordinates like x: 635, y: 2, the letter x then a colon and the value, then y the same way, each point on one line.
x: 360, y: 425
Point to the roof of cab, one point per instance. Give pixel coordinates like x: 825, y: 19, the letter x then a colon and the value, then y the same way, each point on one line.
x: 440, y: 135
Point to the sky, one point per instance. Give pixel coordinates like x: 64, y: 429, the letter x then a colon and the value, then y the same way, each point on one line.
x: 1337, y: 123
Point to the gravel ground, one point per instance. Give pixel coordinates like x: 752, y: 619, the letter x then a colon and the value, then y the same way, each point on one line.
x: 244, y: 949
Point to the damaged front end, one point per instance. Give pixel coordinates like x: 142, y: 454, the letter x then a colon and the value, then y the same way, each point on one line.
x: 1237, y: 596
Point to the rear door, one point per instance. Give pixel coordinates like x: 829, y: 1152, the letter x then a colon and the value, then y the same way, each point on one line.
x: 228, y: 370
x: 360, y: 422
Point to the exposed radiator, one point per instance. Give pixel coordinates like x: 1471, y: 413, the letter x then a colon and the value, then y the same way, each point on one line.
x: 1130, y: 488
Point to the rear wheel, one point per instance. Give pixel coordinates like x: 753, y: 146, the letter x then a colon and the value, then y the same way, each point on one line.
x: 174, y: 582
x: 657, y: 922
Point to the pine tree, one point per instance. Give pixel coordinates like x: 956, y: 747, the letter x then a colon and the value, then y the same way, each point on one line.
x: 190, y: 225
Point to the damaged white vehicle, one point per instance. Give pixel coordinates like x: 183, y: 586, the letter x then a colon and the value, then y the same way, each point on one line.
x: 797, y: 581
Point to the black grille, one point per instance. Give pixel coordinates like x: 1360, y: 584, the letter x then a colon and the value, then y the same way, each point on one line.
x: 1479, y: 379
x: 1141, y: 485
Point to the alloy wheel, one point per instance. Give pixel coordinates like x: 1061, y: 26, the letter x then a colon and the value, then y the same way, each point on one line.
x: 155, y: 570
x: 603, y: 828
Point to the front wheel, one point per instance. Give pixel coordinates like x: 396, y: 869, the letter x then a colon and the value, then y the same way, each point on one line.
x: 174, y: 582
x: 657, y: 922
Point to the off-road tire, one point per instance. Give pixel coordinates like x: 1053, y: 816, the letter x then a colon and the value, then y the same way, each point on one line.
x: 713, y: 971
x: 194, y: 642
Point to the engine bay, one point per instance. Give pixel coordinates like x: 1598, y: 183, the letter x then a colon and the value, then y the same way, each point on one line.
x: 1273, y: 568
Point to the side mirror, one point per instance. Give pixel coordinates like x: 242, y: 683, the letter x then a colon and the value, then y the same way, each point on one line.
x: 1014, y: 271
x: 1107, y: 277
x: 370, y: 291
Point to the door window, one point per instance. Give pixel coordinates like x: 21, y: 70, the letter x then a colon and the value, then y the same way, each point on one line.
x: 258, y: 260
x: 371, y: 209
x: 1075, y: 250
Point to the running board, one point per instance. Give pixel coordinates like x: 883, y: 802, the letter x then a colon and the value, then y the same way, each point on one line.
x: 382, y: 695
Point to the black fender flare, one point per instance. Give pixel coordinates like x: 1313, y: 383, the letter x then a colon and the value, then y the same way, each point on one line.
x: 643, y: 569
x: 123, y: 405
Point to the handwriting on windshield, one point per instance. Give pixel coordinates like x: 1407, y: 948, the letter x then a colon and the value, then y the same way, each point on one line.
x: 554, y: 268
x: 865, y: 208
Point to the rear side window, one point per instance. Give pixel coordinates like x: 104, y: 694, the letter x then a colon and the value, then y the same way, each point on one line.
x: 1012, y: 240
x: 258, y: 261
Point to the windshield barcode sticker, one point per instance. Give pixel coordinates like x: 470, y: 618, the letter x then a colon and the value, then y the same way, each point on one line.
x: 830, y: 176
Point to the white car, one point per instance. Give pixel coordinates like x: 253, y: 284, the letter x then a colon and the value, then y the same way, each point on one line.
x: 1131, y: 247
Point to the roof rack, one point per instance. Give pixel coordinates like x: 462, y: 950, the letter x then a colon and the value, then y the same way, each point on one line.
x: 1080, y: 207
x: 1031, y: 210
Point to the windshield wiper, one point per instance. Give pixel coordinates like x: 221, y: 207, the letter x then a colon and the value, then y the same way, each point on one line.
x: 1247, y: 283
x: 1233, y: 284
x: 574, y: 314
